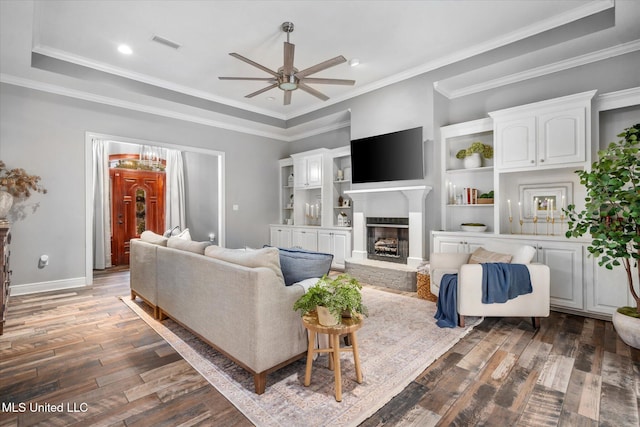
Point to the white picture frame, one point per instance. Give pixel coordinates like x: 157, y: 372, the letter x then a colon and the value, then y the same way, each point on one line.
x: 560, y: 194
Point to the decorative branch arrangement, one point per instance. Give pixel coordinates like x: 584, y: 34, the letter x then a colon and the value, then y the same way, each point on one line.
x: 18, y: 182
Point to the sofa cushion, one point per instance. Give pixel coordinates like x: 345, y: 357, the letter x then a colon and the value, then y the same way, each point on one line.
x: 187, y: 245
x: 153, y: 238
x: 521, y: 254
x: 298, y: 264
x: 482, y: 255
x: 266, y: 257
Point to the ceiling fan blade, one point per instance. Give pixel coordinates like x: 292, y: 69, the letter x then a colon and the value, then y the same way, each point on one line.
x: 287, y: 97
x: 329, y: 81
x: 255, y: 64
x: 312, y: 91
x: 260, y: 79
x: 289, y: 50
x: 321, y: 66
x: 258, y: 92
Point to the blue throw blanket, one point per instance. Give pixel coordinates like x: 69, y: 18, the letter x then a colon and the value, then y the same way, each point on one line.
x: 502, y: 282
x: 447, y: 306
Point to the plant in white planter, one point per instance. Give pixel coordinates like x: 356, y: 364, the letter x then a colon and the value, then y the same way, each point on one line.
x: 338, y: 296
x: 16, y: 183
x: 473, y: 155
x: 612, y: 217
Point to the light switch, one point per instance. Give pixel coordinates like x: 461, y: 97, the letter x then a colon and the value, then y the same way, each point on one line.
x: 236, y: 207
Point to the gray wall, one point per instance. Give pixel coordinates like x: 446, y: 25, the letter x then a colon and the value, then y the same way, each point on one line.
x: 201, y: 182
x: 45, y: 134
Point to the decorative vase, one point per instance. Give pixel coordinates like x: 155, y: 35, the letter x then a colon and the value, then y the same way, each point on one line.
x: 473, y: 161
x: 6, y: 201
x: 628, y: 328
x: 325, y: 318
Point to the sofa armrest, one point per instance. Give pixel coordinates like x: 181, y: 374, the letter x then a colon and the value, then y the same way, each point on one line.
x: 441, y: 263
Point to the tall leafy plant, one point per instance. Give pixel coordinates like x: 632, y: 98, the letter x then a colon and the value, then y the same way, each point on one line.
x: 612, y: 208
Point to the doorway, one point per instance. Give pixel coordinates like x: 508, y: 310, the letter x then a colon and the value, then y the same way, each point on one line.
x: 137, y: 205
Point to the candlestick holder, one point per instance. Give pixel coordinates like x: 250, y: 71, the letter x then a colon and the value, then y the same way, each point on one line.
x: 548, y: 219
x: 535, y: 225
x: 553, y: 225
x: 521, y: 223
x: 510, y: 221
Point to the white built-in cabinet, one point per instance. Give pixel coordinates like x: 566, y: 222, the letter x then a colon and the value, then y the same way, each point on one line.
x: 547, y: 134
x: 308, y: 170
x: 455, y: 177
x: 280, y: 236
x: 312, y: 185
x: 336, y: 242
x: 535, y: 141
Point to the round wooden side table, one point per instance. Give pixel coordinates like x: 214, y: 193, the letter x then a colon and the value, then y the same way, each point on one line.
x: 349, y: 326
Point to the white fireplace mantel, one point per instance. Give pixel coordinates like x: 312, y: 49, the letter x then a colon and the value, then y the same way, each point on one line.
x: 415, y: 212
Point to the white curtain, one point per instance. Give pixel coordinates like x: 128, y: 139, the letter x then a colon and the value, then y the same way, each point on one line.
x: 175, y: 193
x: 101, y: 206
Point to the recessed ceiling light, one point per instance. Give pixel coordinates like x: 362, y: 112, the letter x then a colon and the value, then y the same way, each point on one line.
x: 354, y: 62
x: 270, y: 98
x: 123, y: 48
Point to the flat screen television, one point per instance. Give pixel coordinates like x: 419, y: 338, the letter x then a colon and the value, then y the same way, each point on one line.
x: 395, y: 156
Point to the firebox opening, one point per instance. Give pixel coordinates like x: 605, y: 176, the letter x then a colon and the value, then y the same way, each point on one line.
x: 388, y: 239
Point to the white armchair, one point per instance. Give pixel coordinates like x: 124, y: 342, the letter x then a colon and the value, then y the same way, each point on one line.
x: 534, y: 305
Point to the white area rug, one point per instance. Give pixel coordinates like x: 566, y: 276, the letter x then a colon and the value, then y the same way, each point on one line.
x: 397, y: 342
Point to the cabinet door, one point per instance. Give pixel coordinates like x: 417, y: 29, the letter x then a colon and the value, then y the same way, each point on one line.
x: 314, y: 170
x: 456, y: 245
x: 565, y: 265
x: 305, y: 239
x: 516, y: 143
x: 325, y: 241
x: 562, y: 137
x: 608, y: 290
x: 308, y: 171
x: 280, y: 237
x: 341, y: 248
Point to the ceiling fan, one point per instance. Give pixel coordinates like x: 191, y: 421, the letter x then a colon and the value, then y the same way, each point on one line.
x: 287, y: 77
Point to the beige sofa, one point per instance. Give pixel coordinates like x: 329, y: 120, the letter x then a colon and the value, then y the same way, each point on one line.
x: 244, y: 311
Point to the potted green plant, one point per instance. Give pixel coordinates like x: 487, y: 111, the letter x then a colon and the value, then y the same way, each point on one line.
x: 473, y: 154
x: 332, y: 297
x: 612, y: 217
x: 16, y: 183
x: 485, y: 198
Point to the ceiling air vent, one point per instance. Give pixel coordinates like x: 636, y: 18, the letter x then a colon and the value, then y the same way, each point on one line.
x: 166, y: 42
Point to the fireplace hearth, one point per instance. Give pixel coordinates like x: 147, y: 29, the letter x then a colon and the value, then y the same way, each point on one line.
x: 388, y: 239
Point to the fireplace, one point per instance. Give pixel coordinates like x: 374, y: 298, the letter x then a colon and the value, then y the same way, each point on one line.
x: 388, y: 239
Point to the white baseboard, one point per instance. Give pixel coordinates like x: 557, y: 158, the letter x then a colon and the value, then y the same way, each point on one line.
x: 54, y: 285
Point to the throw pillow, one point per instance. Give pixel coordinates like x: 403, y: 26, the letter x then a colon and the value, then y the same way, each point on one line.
x: 522, y: 254
x: 298, y: 264
x: 480, y: 256
x: 151, y: 237
x: 187, y: 245
x: 265, y: 257
x: 184, y: 235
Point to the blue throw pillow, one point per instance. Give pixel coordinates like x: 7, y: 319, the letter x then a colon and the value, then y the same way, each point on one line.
x: 300, y: 264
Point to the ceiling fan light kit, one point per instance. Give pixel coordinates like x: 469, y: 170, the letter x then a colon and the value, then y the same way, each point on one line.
x: 288, y: 78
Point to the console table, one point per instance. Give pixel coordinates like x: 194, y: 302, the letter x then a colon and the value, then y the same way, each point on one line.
x: 5, y: 272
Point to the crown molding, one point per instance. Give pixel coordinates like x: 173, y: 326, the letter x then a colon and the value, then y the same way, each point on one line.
x: 618, y: 99
x: 295, y: 133
x: 577, y: 61
x: 144, y: 78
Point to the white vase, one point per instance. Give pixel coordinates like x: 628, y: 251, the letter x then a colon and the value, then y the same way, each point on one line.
x: 628, y: 328
x: 473, y: 161
x: 6, y: 201
x: 325, y: 318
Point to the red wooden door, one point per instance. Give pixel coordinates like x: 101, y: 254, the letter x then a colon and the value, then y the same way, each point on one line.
x: 137, y: 205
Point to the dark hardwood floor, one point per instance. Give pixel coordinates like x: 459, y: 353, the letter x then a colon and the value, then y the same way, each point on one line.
x: 84, y: 349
